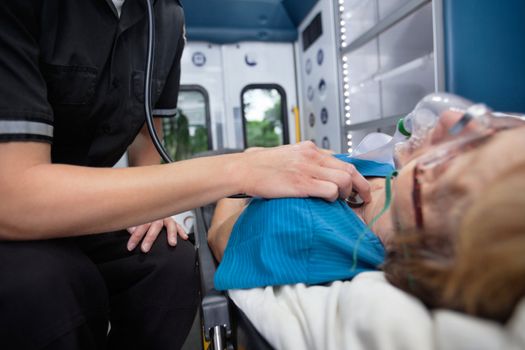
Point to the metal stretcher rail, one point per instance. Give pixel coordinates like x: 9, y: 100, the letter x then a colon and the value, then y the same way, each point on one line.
x: 224, y: 326
x: 215, y: 314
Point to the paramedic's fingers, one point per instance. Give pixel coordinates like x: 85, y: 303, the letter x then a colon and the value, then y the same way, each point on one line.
x: 171, y: 231
x: 336, y: 182
x: 182, y: 232
x: 151, y: 235
x: 360, y: 185
x: 323, y: 189
x: 136, y: 233
x: 174, y: 230
x: 147, y: 233
x: 357, y: 182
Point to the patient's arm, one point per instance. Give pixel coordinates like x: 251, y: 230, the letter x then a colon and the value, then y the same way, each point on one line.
x: 226, y: 213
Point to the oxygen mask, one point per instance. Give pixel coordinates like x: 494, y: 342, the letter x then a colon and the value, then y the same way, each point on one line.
x: 436, y: 119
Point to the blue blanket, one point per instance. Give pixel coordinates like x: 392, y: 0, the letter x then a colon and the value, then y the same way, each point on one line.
x: 299, y: 240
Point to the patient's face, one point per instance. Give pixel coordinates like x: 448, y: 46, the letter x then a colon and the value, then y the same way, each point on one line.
x: 436, y: 200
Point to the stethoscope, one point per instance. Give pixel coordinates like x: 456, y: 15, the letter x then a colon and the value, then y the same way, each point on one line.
x: 150, y: 61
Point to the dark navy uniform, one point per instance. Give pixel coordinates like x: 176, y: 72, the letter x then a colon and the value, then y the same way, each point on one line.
x: 71, y: 74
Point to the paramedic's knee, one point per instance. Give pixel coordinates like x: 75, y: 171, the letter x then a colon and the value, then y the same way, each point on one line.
x: 182, y: 286
x: 178, y: 271
x: 166, y: 307
x: 168, y: 276
x: 48, y: 287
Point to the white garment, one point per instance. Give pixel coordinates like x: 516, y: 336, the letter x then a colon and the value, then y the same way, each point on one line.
x: 368, y: 313
x: 118, y: 5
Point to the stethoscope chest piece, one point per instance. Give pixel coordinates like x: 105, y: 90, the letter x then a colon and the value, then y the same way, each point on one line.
x: 354, y: 200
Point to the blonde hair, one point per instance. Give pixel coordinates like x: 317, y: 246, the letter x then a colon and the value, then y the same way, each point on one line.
x: 480, y: 268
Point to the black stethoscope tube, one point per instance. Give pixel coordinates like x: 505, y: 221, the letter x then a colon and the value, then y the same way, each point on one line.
x: 150, y: 61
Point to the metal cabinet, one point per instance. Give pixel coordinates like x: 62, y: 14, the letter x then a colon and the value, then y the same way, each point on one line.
x: 387, y: 58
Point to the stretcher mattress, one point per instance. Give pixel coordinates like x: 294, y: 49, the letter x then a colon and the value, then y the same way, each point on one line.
x: 368, y: 313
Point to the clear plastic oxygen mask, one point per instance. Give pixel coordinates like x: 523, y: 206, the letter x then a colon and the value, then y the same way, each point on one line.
x: 437, y: 118
x: 411, y: 131
x: 427, y: 124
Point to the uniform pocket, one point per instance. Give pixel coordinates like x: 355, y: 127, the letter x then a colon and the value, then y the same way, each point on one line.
x: 70, y: 85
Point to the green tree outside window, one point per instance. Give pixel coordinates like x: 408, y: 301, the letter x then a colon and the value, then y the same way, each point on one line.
x: 263, y: 117
x: 187, y: 133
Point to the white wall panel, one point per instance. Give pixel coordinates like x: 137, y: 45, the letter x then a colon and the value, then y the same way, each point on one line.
x: 326, y: 132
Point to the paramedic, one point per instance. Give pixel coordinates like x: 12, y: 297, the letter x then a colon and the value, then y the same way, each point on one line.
x: 71, y: 104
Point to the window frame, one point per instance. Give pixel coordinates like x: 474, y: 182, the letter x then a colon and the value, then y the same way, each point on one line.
x: 207, y: 116
x: 284, y: 109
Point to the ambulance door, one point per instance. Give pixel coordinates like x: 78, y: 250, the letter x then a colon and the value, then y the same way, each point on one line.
x: 260, y: 94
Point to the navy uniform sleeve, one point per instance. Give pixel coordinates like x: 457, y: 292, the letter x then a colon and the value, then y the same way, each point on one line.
x: 166, y: 106
x: 25, y: 113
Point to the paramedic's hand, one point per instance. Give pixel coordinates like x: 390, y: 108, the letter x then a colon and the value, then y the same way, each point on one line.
x: 148, y: 233
x: 300, y: 170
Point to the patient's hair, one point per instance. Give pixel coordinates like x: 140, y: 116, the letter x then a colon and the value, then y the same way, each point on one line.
x: 480, y: 269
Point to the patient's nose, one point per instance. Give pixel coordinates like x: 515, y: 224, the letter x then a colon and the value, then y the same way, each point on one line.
x: 446, y: 122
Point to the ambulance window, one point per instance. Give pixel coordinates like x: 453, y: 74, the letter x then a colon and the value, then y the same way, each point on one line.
x: 264, y: 116
x: 188, y: 132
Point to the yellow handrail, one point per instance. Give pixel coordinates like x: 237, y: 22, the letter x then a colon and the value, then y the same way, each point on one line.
x: 295, y: 111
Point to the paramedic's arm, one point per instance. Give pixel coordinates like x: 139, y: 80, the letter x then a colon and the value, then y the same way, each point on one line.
x: 43, y: 200
x: 226, y: 214
x: 142, y: 152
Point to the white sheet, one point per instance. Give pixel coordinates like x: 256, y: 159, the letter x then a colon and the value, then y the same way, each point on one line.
x: 367, y: 313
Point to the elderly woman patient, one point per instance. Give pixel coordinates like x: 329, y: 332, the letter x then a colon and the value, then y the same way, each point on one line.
x: 454, y: 234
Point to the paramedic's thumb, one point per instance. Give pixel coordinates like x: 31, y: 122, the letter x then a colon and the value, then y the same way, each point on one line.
x: 359, y: 184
